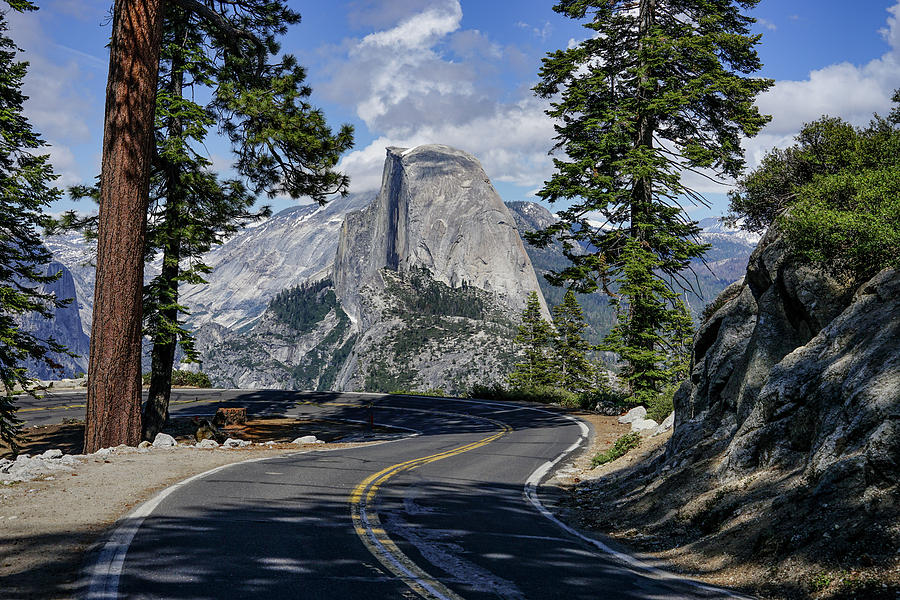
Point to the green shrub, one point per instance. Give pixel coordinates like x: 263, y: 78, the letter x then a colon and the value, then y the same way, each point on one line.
x: 544, y: 394
x: 835, y: 194
x: 603, y: 395
x: 659, y: 407
x: 547, y: 395
x: 627, y: 442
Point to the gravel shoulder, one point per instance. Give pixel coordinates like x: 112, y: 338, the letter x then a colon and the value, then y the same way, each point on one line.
x: 46, y: 526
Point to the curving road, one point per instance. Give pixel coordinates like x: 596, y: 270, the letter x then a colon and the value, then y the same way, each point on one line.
x: 451, y: 512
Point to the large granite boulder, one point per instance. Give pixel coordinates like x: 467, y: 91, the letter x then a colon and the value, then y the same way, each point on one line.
x: 798, y: 369
x: 436, y: 210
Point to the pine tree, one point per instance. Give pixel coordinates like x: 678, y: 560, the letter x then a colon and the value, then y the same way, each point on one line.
x: 113, y: 412
x: 281, y: 144
x: 576, y: 373
x: 535, y: 339
x: 659, y: 87
x: 25, y: 191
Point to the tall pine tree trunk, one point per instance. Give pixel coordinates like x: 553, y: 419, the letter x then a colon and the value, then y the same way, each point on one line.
x: 114, y: 371
x: 642, y: 193
x: 165, y: 337
x: 165, y: 342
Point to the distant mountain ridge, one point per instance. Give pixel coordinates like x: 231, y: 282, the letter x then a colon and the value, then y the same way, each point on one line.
x: 437, y: 213
x: 724, y: 264
x: 429, y: 280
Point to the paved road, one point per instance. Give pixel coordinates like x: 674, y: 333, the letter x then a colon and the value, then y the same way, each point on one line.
x: 450, y: 513
x: 69, y: 404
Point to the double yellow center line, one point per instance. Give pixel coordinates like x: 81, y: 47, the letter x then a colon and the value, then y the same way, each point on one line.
x: 369, y: 529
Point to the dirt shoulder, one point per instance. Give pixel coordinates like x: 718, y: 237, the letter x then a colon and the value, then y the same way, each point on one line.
x: 48, y: 525
x: 755, y: 535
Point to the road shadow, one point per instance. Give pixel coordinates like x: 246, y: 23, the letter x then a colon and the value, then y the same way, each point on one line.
x: 298, y: 541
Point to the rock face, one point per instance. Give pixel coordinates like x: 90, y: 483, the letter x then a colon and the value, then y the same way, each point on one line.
x: 799, y: 371
x: 437, y: 210
x: 785, y: 451
x: 78, y: 256
x: 65, y: 327
x: 429, y: 281
x: 294, y: 246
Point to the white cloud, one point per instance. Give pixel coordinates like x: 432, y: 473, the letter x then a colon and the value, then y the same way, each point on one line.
x: 60, y: 100
x: 852, y: 92
x: 63, y: 161
x: 541, y: 33
x: 891, y: 33
x: 427, y: 80
x: 767, y: 24
x: 418, y: 31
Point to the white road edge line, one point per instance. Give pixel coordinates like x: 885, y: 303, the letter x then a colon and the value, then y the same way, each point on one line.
x: 105, y: 571
x: 531, y: 494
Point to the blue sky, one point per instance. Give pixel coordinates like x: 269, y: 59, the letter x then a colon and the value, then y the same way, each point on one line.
x: 459, y: 72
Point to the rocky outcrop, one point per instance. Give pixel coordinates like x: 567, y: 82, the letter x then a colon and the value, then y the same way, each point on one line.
x: 785, y: 452
x: 294, y: 246
x: 799, y: 368
x: 436, y: 210
x: 794, y: 401
x: 64, y: 326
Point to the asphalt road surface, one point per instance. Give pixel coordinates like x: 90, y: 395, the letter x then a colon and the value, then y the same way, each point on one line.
x: 451, y: 511
x: 55, y: 406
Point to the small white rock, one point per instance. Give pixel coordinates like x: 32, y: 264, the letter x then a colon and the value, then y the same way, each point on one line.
x: 644, y: 426
x: 208, y: 443
x: 233, y: 443
x: 666, y: 425
x: 638, y: 413
x: 306, y: 439
x: 51, y: 454
x: 164, y: 440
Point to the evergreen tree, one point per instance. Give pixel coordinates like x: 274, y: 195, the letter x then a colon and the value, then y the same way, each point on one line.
x: 281, y: 145
x: 535, y: 338
x: 575, y: 370
x: 25, y: 191
x: 113, y: 412
x: 659, y: 87
x: 842, y: 187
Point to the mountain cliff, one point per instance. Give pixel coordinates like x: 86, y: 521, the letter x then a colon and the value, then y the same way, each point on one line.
x: 251, y: 268
x: 436, y: 210
x: 65, y: 326
x: 429, y: 281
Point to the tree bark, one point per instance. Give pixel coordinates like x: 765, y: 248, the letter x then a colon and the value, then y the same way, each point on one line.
x: 114, y: 371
